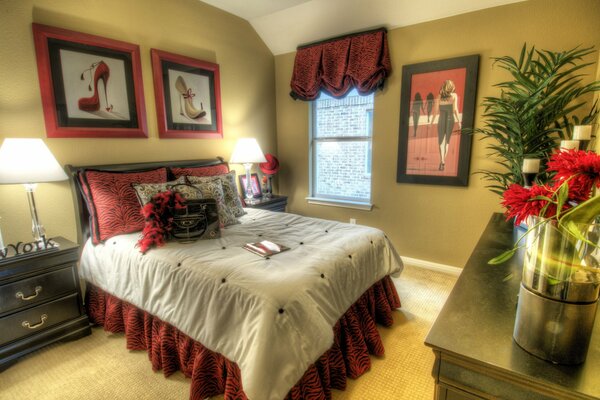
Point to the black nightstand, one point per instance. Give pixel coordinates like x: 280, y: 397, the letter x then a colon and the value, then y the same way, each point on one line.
x: 40, y: 301
x: 275, y: 203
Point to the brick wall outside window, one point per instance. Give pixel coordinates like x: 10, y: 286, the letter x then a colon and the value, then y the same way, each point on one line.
x: 340, y: 168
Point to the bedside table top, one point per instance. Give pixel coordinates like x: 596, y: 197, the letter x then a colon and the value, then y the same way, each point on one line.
x: 66, y: 252
x: 263, y: 201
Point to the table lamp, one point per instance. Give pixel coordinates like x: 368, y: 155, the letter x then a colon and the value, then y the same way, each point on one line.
x: 246, y: 152
x: 29, y: 161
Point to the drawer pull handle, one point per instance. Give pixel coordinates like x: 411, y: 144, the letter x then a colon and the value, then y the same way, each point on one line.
x: 20, y: 295
x: 26, y: 324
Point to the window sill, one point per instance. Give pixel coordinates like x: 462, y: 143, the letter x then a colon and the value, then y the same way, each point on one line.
x: 340, y: 203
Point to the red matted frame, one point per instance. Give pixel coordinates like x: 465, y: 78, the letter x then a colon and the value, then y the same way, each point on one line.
x: 426, y: 130
x: 188, y: 97
x: 59, y: 53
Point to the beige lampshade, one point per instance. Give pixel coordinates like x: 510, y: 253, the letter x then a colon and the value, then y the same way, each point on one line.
x: 247, y: 151
x: 28, y: 161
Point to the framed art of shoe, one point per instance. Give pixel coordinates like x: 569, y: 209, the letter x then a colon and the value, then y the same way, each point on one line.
x: 91, y: 86
x: 188, y: 96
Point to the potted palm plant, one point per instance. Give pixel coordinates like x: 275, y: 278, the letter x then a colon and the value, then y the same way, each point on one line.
x: 534, y: 110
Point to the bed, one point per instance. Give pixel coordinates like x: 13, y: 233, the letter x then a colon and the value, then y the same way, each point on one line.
x: 294, y: 325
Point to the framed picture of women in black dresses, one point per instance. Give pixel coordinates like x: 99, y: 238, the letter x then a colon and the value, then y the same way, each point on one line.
x: 437, y: 106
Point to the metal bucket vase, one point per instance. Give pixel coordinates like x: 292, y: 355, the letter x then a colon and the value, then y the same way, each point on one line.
x: 559, y: 293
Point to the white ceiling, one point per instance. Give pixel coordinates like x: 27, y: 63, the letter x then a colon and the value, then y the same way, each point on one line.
x: 285, y: 24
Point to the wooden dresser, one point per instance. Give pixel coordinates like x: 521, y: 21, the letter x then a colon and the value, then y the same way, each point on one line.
x: 40, y: 301
x: 475, y: 355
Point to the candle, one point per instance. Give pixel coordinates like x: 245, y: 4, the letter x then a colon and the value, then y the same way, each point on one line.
x: 569, y: 144
x: 582, y: 132
x: 531, y: 165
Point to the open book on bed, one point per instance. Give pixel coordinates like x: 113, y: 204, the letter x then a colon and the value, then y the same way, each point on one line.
x: 265, y: 248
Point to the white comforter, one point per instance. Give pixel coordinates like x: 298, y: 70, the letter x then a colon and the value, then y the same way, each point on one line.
x: 273, y: 317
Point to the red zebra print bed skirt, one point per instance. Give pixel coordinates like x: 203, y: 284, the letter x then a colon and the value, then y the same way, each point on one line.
x: 169, y: 350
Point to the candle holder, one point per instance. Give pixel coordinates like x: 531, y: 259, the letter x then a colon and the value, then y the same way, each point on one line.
x: 529, y: 178
x: 582, y: 133
x: 530, y: 170
x: 569, y: 145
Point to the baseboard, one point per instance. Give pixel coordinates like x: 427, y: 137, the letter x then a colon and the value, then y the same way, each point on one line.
x: 447, y: 269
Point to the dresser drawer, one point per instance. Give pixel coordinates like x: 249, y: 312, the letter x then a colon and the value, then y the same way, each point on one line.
x: 37, y: 289
x: 38, y: 318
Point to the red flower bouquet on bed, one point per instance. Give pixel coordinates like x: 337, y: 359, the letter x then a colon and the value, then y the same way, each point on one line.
x: 158, y: 214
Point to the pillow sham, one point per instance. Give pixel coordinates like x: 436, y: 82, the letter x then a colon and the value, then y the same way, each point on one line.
x: 145, y: 191
x: 232, y: 198
x: 112, y: 202
x: 208, y: 170
x: 213, y: 189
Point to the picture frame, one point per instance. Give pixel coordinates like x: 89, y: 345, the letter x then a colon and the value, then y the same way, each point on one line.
x: 256, y: 190
x: 91, y: 87
x: 437, y: 107
x: 188, y: 96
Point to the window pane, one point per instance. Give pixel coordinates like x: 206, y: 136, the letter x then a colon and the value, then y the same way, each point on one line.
x: 341, y: 171
x: 342, y: 117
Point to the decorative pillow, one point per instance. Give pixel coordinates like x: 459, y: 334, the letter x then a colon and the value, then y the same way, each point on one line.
x: 232, y: 198
x: 209, y: 170
x: 112, y: 202
x: 213, y: 189
x: 188, y: 192
x: 145, y: 191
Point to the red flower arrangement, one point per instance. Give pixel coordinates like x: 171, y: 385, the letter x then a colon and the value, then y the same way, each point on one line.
x: 158, y: 214
x: 566, y: 201
x: 576, y: 173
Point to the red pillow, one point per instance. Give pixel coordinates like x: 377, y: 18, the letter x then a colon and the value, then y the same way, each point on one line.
x: 208, y: 170
x: 112, y: 202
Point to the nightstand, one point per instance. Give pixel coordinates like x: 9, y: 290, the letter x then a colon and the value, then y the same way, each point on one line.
x: 40, y: 301
x: 275, y: 203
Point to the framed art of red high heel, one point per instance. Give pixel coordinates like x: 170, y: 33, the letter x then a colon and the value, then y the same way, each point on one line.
x: 188, y: 96
x: 91, y: 86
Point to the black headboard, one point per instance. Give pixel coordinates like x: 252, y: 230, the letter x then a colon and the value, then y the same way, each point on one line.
x: 82, y: 216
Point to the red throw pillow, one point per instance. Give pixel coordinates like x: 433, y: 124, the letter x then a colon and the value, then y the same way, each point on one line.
x: 208, y: 170
x: 112, y: 202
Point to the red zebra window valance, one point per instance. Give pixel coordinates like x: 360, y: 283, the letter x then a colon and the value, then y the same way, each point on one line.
x: 337, y: 65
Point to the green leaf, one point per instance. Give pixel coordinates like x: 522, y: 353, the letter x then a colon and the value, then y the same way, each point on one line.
x: 561, y: 197
x: 507, y: 255
x: 584, y: 213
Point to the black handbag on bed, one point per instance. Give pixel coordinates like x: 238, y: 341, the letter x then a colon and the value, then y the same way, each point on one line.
x: 198, y: 220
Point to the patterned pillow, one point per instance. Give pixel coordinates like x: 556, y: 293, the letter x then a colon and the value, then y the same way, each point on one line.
x: 208, y: 170
x: 232, y: 198
x: 112, y: 202
x: 214, y: 190
x: 188, y: 192
x: 145, y: 191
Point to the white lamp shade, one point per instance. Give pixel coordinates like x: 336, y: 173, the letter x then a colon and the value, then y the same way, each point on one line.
x: 247, y: 151
x: 28, y: 161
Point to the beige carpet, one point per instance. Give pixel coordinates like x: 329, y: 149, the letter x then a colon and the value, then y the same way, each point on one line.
x: 99, y: 366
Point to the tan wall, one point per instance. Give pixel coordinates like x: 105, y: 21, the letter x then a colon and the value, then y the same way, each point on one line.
x: 186, y: 27
x: 435, y: 223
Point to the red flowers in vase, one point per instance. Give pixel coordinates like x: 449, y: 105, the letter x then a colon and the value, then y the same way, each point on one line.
x: 566, y: 201
x: 576, y: 173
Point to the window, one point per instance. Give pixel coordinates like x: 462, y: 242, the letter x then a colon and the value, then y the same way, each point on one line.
x: 341, y: 134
